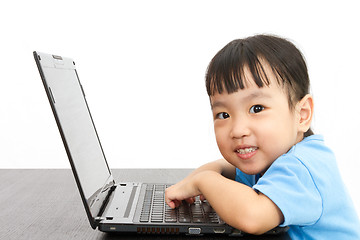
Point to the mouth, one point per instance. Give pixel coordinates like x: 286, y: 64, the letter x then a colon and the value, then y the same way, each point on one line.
x: 246, y: 152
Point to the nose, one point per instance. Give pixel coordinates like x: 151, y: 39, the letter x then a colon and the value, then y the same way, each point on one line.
x: 240, y: 129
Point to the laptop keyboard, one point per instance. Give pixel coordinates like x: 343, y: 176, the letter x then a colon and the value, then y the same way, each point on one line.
x: 155, y: 209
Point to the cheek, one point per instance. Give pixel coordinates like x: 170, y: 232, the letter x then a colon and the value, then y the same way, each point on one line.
x: 277, y: 136
x: 278, y: 125
x: 272, y: 133
x: 269, y: 129
x: 221, y: 139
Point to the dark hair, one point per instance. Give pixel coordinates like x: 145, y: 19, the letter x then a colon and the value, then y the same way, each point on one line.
x: 226, y: 70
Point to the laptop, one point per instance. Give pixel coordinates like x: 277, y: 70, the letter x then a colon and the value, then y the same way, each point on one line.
x: 126, y: 207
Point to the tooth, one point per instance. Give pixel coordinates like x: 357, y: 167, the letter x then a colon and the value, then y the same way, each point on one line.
x: 246, y: 150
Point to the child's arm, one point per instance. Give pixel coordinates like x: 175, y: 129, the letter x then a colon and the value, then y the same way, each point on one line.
x: 220, y: 166
x: 237, y: 204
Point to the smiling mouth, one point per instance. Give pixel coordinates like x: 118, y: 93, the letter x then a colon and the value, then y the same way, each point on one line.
x: 246, y: 150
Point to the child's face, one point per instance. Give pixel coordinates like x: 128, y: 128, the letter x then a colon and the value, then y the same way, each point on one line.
x: 254, y: 126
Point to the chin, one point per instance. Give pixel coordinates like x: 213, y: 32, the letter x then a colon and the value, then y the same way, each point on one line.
x: 250, y: 171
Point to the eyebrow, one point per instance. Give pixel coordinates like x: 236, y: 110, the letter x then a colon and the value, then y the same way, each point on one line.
x: 258, y: 94
x: 217, y: 104
x: 251, y: 96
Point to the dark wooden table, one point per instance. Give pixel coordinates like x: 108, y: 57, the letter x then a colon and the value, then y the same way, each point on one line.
x: 45, y: 204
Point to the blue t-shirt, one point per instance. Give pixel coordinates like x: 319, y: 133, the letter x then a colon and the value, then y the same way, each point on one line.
x: 306, y: 185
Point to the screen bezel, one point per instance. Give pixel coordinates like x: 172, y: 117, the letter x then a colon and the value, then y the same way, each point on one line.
x: 94, y: 204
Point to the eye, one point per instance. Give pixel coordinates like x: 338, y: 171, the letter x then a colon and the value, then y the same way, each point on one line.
x: 256, y: 109
x: 222, y: 115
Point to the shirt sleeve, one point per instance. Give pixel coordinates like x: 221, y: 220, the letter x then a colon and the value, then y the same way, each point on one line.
x: 289, y: 184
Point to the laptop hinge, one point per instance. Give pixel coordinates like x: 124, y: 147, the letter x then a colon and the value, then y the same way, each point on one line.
x: 99, y: 219
x: 104, y: 204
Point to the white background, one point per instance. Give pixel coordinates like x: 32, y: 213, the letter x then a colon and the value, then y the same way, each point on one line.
x: 142, y: 64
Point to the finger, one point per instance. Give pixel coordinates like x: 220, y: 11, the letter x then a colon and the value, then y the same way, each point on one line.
x: 168, y: 200
x: 171, y: 204
x: 190, y: 200
x: 177, y: 203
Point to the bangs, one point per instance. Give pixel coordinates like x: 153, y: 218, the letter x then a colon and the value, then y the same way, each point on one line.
x: 226, y: 71
x: 231, y: 79
x: 244, y: 61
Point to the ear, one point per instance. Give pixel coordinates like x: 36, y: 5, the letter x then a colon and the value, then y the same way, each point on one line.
x: 305, y: 110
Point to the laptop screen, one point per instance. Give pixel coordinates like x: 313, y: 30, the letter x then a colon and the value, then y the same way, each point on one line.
x: 74, y: 119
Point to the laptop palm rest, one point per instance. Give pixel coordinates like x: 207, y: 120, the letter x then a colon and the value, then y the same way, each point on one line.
x: 122, y: 203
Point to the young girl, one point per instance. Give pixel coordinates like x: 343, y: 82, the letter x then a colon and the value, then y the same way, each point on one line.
x: 275, y: 171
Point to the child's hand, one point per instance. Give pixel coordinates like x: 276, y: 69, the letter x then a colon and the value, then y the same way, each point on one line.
x: 184, y: 190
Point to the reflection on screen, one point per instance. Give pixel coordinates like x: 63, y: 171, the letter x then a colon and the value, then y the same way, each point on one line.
x: 78, y: 129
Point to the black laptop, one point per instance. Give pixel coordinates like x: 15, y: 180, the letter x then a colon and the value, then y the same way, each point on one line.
x: 127, y: 207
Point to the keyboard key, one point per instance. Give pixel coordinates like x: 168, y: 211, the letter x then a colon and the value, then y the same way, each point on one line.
x: 198, y: 219
x: 171, y: 220
x: 157, y: 220
x: 184, y: 219
x: 214, y: 220
x: 144, y: 219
